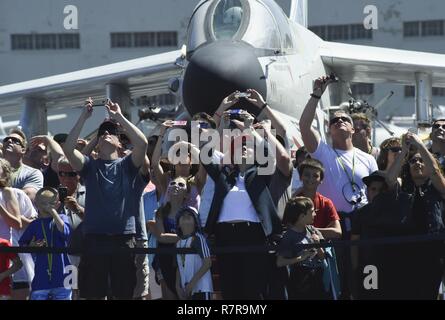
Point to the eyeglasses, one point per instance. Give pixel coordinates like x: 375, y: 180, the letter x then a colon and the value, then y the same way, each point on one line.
x: 394, y: 149
x: 179, y: 184
x: 337, y: 119
x: 437, y: 126
x: 70, y: 174
x: 14, y: 140
x: 415, y: 160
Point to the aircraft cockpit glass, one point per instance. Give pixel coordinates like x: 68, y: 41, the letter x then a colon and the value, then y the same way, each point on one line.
x: 227, y: 19
x: 251, y: 21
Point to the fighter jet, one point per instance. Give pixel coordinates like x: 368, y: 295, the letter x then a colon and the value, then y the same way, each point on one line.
x: 235, y: 45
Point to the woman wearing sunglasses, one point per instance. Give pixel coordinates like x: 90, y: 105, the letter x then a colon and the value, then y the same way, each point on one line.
x: 183, y: 168
x: 389, y: 149
x: 164, y: 229
x: 424, y: 181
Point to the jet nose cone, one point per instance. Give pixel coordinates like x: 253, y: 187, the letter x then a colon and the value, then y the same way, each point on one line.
x: 217, y: 70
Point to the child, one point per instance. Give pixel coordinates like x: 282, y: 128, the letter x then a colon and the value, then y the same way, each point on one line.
x: 49, y: 230
x: 6, y: 270
x: 306, y: 266
x: 193, y: 277
x: 326, y: 221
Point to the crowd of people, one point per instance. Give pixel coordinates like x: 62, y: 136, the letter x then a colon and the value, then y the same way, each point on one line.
x: 240, y: 189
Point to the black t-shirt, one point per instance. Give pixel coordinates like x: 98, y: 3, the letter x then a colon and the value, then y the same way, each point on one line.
x: 288, y: 246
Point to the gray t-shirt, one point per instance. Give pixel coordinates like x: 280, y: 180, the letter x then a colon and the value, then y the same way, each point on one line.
x: 28, y: 177
x: 112, y: 199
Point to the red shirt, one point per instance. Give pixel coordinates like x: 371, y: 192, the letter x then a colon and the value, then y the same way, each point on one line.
x: 5, y: 261
x: 325, y: 211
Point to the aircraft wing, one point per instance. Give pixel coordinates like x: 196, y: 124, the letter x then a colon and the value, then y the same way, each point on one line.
x: 357, y: 63
x: 143, y: 76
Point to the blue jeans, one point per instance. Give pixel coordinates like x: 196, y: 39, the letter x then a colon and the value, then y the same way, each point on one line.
x: 51, y: 294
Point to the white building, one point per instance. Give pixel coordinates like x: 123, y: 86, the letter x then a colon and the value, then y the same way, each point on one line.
x: 408, y: 24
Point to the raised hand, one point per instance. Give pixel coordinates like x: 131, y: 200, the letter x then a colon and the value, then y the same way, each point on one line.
x: 113, y: 108
x: 88, y: 108
x: 255, y: 98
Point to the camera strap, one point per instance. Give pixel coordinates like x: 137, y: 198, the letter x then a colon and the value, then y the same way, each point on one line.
x: 350, y: 178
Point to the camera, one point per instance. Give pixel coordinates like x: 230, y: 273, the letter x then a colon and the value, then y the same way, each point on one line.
x: 63, y: 193
x: 236, y: 114
x: 242, y: 95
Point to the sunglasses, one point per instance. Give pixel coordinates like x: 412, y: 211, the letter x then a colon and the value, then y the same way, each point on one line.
x: 14, y: 140
x: 437, y: 126
x: 415, y: 160
x: 394, y: 149
x: 179, y: 184
x: 337, y: 119
x: 70, y: 174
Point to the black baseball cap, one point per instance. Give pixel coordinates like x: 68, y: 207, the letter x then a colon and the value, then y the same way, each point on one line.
x: 375, y: 176
x: 60, y: 137
x: 110, y: 126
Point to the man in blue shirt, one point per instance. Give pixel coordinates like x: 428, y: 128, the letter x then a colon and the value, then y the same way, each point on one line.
x: 111, y: 204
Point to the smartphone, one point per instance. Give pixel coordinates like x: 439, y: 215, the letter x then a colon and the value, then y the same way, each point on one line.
x: 180, y: 123
x: 63, y: 193
x: 242, y: 95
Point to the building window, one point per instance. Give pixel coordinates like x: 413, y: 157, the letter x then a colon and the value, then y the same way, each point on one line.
x: 159, y: 100
x: 438, y: 92
x: 340, y: 32
x: 121, y: 40
x: 410, y: 91
x: 358, y: 31
x: 432, y: 28
x: 362, y: 89
x: 423, y: 28
x: 319, y: 31
x: 167, y: 39
x: 22, y: 42
x: 144, y: 39
x: 411, y: 29
x: 69, y: 41
x: 45, y: 41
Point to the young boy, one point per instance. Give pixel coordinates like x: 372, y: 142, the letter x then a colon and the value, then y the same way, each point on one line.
x: 193, y: 277
x: 305, y: 266
x: 6, y: 270
x: 49, y: 230
x: 327, y: 221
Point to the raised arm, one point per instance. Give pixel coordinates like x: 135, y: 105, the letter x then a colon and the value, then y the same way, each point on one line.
x: 135, y: 135
x: 76, y: 158
x: 159, y: 176
x: 88, y: 149
x: 431, y: 166
x: 10, y: 212
x: 393, y: 171
x: 55, y: 149
x: 227, y: 102
x: 310, y: 136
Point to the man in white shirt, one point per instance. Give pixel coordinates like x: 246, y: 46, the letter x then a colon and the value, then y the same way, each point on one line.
x: 345, y: 166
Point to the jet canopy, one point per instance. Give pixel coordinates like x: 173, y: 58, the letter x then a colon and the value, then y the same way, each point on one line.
x: 261, y: 24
